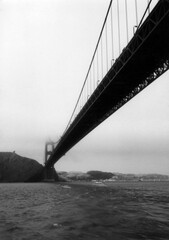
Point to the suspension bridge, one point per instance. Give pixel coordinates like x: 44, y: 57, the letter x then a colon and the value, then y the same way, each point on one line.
x: 131, y: 52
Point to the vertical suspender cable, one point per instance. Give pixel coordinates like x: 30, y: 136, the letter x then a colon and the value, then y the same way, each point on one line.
x: 81, y: 100
x: 93, y: 76
x: 127, y: 32
x: 82, y: 96
x: 112, y: 34
x: 102, y: 55
x: 77, y: 102
x: 86, y: 90
x: 90, y: 81
x: 85, y: 94
x: 88, y: 86
x: 97, y: 65
x: 136, y: 13
x: 106, y: 47
x: 118, y: 20
x: 148, y: 7
x: 80, y: 103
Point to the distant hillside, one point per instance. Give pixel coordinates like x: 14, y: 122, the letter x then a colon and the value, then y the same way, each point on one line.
x: 91, y: 175
x: 66, y: 176
x: 14, y: 168
x: 99, y: 175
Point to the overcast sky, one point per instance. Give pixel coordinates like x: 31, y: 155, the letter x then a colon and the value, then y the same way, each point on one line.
x: 45, y: 50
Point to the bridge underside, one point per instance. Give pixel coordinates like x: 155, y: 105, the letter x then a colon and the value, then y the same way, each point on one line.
x: 143, y: 60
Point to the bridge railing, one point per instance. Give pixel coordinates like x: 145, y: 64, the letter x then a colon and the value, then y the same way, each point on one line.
x: 122, y: 20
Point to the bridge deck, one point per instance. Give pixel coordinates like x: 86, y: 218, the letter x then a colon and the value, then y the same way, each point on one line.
x: 144, y: 55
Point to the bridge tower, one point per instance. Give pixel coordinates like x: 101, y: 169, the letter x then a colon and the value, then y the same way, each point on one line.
x: 49, y: 147
x: 49, y: 173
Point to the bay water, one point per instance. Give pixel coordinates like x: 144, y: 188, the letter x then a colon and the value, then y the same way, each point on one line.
x: 60, y: 211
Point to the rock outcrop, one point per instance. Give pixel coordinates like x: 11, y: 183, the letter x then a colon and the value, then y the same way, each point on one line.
x: 14, y: 168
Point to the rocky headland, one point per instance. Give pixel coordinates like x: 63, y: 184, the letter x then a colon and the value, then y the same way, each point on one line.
x: 14, y: 168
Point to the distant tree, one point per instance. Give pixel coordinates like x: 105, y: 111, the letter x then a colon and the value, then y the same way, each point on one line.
x: 98, y: 175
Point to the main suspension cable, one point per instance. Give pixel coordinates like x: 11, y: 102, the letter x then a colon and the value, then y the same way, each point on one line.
x: 89, y: 65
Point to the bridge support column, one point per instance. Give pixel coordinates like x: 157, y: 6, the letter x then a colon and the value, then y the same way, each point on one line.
x: 50, y: 174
